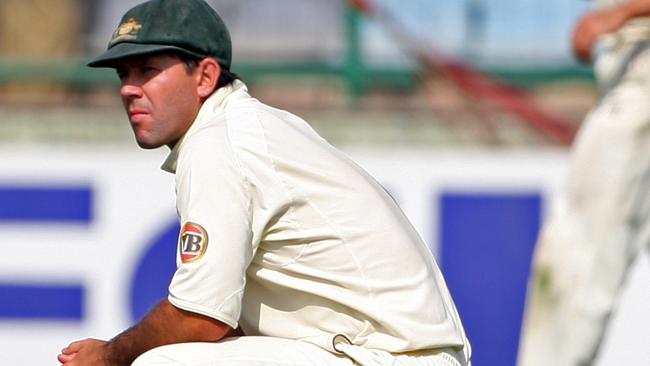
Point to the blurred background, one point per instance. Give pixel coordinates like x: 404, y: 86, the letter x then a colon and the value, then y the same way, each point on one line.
x: 464, y: 110
x: 430, y: 73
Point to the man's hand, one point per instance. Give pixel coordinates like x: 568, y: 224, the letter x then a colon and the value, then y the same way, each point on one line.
x: 600, y: 22
x: 86, y: 352
x: 165, y: 324
x: 593, y: 25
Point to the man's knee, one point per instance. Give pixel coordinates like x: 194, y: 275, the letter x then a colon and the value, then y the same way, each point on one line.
x: 159, y: 356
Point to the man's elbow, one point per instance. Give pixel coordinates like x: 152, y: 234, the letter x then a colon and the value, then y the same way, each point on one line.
x: 211, y: 330
x: 200, y: 328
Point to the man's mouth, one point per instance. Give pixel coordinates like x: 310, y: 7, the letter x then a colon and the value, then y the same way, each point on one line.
x: 136, y: 114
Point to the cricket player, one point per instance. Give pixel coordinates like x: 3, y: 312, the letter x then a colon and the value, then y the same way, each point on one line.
x: 601, y: 221
x: 289, y: 253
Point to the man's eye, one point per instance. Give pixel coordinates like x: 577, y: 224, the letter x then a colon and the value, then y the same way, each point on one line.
x: 121, y: 74
x: 148, y: 70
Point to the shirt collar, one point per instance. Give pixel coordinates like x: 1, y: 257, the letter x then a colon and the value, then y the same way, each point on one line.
x: 216, y: 101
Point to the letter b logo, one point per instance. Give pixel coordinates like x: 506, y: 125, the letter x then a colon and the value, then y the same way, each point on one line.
x: 193, y: 242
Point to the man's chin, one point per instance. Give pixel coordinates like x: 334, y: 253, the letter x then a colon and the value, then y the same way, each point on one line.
x: 147, y: 145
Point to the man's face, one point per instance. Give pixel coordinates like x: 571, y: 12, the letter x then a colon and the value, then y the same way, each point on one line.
x: 160, y: 98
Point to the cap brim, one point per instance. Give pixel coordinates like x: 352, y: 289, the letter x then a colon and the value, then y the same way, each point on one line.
x: 125, y: 49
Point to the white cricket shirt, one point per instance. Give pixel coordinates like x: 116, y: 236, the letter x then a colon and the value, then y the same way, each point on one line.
x: 287, y: 237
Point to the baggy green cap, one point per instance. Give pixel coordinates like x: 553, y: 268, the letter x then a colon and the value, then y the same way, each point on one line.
x: 190, y: 27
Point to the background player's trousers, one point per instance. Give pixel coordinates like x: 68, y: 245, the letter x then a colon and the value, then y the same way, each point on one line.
x: 269, y: 351
x: 600, y: 223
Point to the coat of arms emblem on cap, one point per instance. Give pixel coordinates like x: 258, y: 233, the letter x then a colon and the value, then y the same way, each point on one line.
x: 128, y: 30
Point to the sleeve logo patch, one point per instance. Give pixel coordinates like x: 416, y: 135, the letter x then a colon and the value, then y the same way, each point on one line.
x: 193, y: 242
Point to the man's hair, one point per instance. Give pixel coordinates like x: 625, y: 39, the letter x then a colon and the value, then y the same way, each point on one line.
x: 225, y: 78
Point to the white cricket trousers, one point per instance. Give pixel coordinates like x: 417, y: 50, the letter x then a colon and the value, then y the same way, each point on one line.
x: 270, y: 351
x: 600, y: 220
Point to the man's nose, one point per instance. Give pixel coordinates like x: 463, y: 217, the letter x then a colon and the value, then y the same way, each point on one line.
x: 130, y: 90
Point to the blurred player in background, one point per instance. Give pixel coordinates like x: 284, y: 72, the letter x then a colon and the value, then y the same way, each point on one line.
x: 289, y: 253
x: 601, y: 222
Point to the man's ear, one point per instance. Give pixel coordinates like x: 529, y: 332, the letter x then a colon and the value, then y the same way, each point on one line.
x: 208, y: 77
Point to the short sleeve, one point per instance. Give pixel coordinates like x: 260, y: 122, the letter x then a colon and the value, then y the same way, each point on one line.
x: 215, y: 243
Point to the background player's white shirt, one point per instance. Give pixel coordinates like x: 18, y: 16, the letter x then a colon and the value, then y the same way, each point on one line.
x: 613, y: 51
x: 302, y: 243
x: 599, y: 222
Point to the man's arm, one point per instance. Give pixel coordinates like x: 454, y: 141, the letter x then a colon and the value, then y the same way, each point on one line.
x: 165, y: 324
x: 600, y: 22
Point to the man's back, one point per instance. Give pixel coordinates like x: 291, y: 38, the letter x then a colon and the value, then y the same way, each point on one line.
x: 333, y: 253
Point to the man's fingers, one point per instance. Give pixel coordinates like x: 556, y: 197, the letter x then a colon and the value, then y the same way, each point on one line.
x: 63, y: 358
x: 78, y: 348
x: 73, y: 347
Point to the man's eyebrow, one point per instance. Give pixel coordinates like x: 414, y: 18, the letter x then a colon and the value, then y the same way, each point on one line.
x: 136, y: 61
